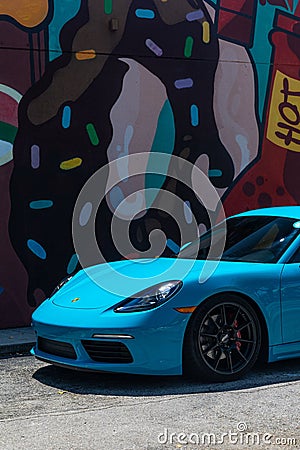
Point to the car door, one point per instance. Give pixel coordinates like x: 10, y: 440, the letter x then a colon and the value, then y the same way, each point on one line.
x: 290, y: 299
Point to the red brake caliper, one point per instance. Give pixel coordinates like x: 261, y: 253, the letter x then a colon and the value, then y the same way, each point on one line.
x: 239, y: 335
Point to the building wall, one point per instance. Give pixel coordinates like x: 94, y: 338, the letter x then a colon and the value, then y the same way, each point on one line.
x: 84, y: 84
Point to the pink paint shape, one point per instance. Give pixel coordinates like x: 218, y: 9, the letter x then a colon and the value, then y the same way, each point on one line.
x: 8, y: 110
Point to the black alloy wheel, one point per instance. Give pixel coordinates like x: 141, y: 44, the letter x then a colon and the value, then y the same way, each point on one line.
x: 223, y: 339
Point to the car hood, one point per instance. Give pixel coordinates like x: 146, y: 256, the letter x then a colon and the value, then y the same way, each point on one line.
x: 105, y: 285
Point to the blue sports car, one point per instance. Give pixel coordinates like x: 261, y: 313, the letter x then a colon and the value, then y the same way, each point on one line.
x: 204, y: 313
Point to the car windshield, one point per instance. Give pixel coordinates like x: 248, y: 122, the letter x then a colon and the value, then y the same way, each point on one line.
x: 259, y: 239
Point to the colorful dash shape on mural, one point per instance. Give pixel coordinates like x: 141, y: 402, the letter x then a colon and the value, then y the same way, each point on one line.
x: 215, y: 173
x: 66, y: 117
x: 153, y: 47
x: 92, y: 133
x: 205, y: 32
x: 83, y: 55
x: 202, y: 228
x: 71, y: 164
x: 37, y: 249
x: 72, y: 264
x: 194, y: 115
x: 41, y: 204
x: 85, y: 214
x: 185, y: 83
x: 35, y: 156
x: 195, y: 15
x: 144, y: 13
x: 187, y: 210
x: 173, y: 246
x: 188, y: 48
x: 108, y: 6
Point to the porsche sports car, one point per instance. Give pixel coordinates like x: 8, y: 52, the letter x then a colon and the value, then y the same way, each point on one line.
x: 162, y: 319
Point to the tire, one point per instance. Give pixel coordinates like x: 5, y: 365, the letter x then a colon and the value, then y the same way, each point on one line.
x: 222, y: 340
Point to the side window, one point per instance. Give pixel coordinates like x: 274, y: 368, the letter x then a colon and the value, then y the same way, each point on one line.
x: 296, y: 257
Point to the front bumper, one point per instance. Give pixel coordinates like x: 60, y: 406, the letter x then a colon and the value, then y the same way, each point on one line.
x: 155, y: 347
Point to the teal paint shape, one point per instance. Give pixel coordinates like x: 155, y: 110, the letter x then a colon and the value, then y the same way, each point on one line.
x: 173, y: 246
x: 66, y: 117
x: 72, y: 264
x: 145, y: 13
x: 261, y: 51
x: 64, y: 10
x: 164, y: 141
x: 194, y: 115
x: 41, y: 204
x: 215, y: 173
x: 37, y: 249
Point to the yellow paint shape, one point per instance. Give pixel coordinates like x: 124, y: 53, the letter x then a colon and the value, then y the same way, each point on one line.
x: 284, y: 113
x: 85, y: 54
x: 205, y: 32
x: 71, y: 164
x: 28, y: 13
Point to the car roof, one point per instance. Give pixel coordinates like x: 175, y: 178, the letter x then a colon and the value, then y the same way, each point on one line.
x: 277, y: 211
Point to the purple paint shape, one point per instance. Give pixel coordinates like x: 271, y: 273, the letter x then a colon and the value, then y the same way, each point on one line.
x: 184, y: 83
x: 153, y: 47
x: 35, y: 156
x: 195, y: 15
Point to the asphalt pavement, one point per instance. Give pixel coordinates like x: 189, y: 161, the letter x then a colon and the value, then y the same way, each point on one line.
x: 43, y: 407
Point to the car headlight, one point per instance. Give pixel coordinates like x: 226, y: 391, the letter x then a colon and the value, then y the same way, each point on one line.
x: 150, y: 298
x: 60, y: 285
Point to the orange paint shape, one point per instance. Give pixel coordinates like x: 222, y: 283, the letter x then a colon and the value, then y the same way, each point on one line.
x: 28, y: 13
x: 85, y: 54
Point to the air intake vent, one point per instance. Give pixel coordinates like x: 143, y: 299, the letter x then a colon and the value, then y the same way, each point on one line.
x: 107, y: 352
x: 56, y: 348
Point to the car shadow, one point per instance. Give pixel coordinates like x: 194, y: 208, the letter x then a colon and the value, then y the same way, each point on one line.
x: 139, y: 385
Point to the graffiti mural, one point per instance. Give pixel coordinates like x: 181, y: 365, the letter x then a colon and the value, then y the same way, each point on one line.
x: 23, y: 56
x: 87, y: 82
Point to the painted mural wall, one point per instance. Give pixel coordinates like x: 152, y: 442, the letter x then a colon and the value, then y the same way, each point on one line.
x: 86, y: 82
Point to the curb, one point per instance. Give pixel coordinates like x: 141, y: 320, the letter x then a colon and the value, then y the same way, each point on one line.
x: 16, y: 340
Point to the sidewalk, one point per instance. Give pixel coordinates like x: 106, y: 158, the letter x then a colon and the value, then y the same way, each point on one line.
x: 16, y: 340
